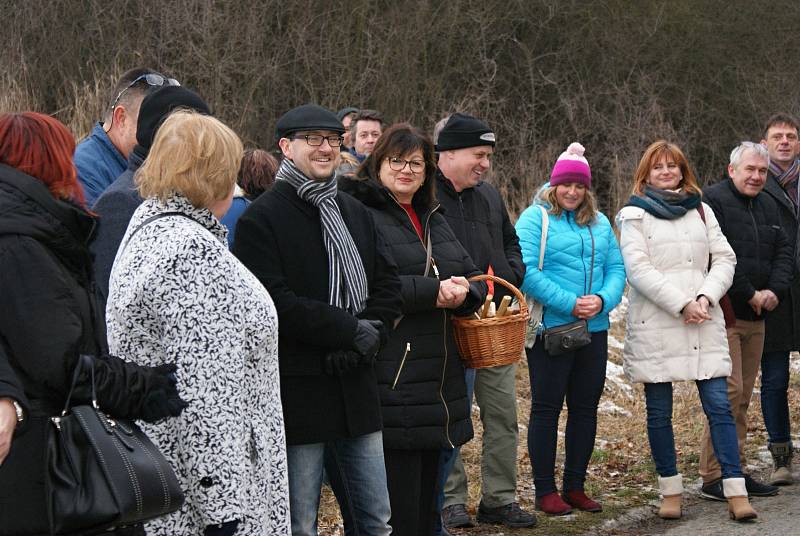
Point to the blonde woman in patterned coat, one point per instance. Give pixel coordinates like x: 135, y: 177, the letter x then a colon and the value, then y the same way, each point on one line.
x: 177, y: 295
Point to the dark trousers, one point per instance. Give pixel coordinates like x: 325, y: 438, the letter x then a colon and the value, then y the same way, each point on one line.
x: 411, y: 476
x: 579, y: 377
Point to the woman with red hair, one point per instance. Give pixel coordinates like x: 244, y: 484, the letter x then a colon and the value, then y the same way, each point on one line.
x: 47, y: 313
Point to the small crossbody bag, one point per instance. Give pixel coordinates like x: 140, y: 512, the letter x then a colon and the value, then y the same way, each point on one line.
x: 570, y: 337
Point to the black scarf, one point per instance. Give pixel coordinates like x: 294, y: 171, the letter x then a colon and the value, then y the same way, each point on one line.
x: 347, y: 281
x: 665, y: 204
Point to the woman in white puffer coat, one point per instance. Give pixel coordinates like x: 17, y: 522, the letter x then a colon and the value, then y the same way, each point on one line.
x: 675, y: 325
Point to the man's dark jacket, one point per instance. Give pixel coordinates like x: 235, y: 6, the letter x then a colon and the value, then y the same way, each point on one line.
x: 783, y: 324
x: 420, y: 375
x: 480, y: 221
x: 763, y: 254
x: 114, y: 208
x: 279, y: 239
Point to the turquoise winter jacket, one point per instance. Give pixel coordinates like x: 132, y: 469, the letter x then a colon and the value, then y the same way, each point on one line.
x: 567, y: 258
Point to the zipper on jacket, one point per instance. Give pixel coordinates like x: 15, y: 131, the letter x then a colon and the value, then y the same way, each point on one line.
x: 402, y: 364
x: 755, y: 231
x: 441, y: 385
x: 435, y: 269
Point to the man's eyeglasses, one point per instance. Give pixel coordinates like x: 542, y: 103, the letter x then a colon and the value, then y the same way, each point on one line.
x: 398, y: 164
x: 152, y: 79
x: 315, y: 140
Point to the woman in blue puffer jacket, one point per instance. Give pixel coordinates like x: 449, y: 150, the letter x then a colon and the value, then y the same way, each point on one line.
x: 582, y: 279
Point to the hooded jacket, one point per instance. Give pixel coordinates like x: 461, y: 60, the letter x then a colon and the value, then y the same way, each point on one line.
x: 420, y: 375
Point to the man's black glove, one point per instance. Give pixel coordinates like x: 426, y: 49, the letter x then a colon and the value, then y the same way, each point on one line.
x: 162, y: 399
x: 339, y: 361
x: 223, y: 529
x: 368, y: 338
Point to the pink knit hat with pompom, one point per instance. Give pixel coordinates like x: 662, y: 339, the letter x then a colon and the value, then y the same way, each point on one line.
x: 571, y: 166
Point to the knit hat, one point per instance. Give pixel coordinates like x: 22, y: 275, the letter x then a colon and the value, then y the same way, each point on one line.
x: 307, y: 117
x: 158, y: 105
x: 571, y: 166
x: 347, y: 110
x: 462, y: 131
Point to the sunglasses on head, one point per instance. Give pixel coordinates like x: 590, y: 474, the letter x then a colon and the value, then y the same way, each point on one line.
x: 152, y: 79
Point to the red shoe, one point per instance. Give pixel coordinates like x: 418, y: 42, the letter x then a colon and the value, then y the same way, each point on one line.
x: 553, y: 505
x: 579, y: 500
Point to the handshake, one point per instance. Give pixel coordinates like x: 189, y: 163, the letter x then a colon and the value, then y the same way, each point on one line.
x: 366, y: 344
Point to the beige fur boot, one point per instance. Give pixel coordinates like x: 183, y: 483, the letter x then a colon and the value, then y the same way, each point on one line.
x: 738, y: 505
x: 671, y: 489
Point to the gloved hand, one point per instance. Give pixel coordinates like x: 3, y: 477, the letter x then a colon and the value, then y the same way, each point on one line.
x: 368, y: 337
x: 223, y: 529
x: 162, y: 399
x: 340, y: 361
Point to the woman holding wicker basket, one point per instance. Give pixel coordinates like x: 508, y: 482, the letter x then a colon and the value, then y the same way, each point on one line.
x: 420, y: 376
x: 574, y: 268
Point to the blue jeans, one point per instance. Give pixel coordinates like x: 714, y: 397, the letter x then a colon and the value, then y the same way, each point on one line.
x: 774, y: 399
x: 359, y: 462
x: 714, y: 398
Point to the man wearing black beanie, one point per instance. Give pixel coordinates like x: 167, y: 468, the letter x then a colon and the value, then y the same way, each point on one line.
x: 476, y: 212
x: 336, y: 289
x: 116, y: 205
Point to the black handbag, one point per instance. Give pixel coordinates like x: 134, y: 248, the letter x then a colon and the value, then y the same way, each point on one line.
x: 101, y: 472
x: 570, y: 337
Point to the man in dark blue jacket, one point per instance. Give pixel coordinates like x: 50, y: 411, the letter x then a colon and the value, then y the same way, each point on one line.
x: 764, y: 267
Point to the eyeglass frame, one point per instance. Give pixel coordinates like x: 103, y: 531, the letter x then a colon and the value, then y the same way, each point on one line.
x: 406, y: 163
x: 147, y: 78
x: 323, y: 139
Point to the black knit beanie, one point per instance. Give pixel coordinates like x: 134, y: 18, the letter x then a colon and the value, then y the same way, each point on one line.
x: 462, y: 131
x: 158, y: 105
x: 307, y: 117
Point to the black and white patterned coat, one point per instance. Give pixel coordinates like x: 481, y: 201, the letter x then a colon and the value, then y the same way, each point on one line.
x: 177, y: 295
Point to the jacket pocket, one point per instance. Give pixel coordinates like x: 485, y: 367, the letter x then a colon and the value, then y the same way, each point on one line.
x: 402, y: 364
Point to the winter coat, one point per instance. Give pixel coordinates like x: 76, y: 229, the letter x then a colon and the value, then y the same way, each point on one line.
x: 279, y: 238
x: 752, y: 227
x: 10, y: 387
x: 420, y: 376
x: 229, y: 220
x: 99, y: 163
x: 114, y: 209
x: 783, y: 323
x: 177, y: 295
x: 567, y: 262
x: 47, y: 320
x: 667, y: 266
x: 480, y: 221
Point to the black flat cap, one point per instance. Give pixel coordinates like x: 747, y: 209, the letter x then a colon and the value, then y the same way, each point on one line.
x: 463, y: 131
x: 347, y: 110
x: 307, y: 117
x: 158, y: 105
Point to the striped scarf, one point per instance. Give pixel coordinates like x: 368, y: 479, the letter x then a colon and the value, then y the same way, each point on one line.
x: 788, y: 180
x: 347, y: 280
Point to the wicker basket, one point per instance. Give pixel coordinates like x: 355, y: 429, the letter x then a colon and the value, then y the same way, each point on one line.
x: 495, y: 341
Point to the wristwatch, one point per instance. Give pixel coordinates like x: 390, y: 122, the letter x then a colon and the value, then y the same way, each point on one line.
x: 18, y: 409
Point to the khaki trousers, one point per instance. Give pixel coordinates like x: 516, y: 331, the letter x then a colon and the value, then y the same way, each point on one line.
x: 746, y: 342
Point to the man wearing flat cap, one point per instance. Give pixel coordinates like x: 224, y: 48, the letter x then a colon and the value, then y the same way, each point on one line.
x: 337, y: 292
x: 476, y: 212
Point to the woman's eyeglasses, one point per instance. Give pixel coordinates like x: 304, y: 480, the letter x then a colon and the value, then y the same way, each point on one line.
x: 398, y: 164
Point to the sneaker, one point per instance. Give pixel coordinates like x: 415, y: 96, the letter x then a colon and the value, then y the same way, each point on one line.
x: 759, y: 489
x: 553, y: 504
x: 713, y: 491
x: 456, y: 516
x: 577, y: 498
x: 510, y: 515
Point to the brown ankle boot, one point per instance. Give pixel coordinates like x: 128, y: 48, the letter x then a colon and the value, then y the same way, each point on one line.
x: 738, y: 505
x: 782, y: 456
x: 671, y: 489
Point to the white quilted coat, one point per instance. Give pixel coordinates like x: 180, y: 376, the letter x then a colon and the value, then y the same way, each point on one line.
x: 666, y: 262
x: 177, y: 295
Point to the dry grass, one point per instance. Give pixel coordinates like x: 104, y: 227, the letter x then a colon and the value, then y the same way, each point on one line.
x: 621, y: 474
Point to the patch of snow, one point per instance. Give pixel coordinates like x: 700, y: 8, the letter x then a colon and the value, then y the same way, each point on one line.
x: 616, y: 376
x: 618, y: 313
x: 607, y: 407
x: 614, y: 343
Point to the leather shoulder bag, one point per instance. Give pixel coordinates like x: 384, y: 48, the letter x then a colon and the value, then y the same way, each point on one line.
x: 570, y: 337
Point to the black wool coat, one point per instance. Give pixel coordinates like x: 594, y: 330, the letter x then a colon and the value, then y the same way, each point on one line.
x: 763, y: 253
x: 420, y: 375
x: 783, y: 324
x: 479, y: 219
x: 46, y: 322
x: 279, y: 239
